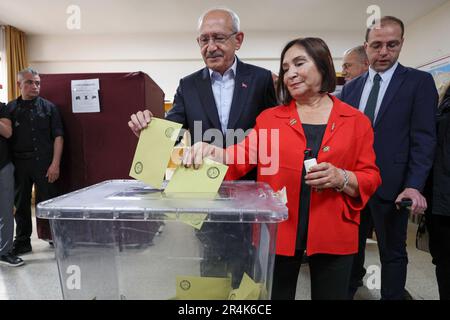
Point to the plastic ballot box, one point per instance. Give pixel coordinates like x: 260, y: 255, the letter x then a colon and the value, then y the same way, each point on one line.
x: 192, y: 246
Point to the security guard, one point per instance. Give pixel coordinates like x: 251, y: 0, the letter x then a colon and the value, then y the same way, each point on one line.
x: 37, y: 145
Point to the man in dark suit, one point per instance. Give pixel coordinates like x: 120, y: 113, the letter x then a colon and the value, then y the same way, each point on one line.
x: 354, y: 63
x: 401, y: 103
x: 212, y: 103
x: 227, y: 94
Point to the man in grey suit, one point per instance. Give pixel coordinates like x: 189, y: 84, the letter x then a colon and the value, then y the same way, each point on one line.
x: 213, y: 103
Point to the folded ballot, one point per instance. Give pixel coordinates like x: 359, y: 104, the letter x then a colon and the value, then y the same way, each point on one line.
x: 203, y: 181
x: 248, y: 290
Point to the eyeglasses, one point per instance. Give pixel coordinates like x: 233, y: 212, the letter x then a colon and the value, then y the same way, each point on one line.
x: 390, y: 46
x: 216, y: 39
x: 31, y: 82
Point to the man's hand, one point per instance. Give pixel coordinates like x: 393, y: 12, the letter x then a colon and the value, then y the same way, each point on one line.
x: 52, y: 173
x: 419, y: 203
x: 140, y: 121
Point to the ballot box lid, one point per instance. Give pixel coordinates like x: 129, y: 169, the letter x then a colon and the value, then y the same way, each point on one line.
x: 132, y: 200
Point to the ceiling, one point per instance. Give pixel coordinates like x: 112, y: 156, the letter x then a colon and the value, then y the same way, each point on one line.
x: 143, y: 16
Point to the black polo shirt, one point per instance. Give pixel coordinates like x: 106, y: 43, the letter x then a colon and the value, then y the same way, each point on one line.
x: 36, y: 124
x: 4, y: 148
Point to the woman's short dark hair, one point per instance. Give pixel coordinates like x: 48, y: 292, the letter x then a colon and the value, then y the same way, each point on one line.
x: 318, y: 51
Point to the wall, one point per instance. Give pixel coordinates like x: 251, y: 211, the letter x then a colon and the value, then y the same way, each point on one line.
x: 164, y: 57
x: 427, y: 38
x: 168, y: 57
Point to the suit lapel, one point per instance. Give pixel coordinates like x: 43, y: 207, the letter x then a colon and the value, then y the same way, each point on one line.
x: 208, y: 103
x: 242, y: 83
x: 355, y: 99
x: 359, y: 89
x: 335, y: 121
x: 289, y: 116
x: 394, y: 86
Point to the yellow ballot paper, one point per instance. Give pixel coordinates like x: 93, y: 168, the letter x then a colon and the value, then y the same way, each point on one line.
x: 202, y: 288
x: 153, y: 151
x: 248, y: 290
x: 194, y: 220
x: 205, y: 180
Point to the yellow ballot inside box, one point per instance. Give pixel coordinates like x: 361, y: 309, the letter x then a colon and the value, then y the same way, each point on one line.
x: 248, y: 290
x: 201, y: 288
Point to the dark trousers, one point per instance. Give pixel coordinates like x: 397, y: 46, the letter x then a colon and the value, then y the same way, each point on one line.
x: 330, y: 276
x: 6, y: 208
x: 29, y: 172
x: 391, y: 226
x: 439, y: 230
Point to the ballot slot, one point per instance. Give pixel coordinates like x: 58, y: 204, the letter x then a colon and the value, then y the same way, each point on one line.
x: 137, y: 194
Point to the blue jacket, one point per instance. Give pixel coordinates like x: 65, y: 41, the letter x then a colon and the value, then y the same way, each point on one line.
x: 405, y: 129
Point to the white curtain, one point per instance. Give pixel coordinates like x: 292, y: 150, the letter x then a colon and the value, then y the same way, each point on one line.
x: 3, y: 67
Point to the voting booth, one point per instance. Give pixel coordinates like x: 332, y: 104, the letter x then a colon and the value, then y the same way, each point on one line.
x: 98, y: 145
x: 201, y: 246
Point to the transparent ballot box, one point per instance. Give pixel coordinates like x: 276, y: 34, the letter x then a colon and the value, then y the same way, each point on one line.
x: 121, y: 239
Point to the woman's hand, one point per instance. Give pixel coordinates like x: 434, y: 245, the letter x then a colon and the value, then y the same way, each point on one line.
x: 194, y: 156
x: 325, y: 176
x: 140, y: 121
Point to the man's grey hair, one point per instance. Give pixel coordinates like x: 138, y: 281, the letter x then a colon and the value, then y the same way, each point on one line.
x: 236, y: 22
x: 360, y: 51
x: 25, y: 71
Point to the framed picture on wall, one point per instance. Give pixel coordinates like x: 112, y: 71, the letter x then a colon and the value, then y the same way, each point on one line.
x: 440, y: 70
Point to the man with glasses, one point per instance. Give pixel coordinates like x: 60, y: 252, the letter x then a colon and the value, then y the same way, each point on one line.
x: 37, y: 144
x: 355, y: 63
x: 401, y: 102
x: 224, y: 96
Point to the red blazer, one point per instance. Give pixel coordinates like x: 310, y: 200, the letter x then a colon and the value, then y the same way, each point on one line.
x: 347, y: 143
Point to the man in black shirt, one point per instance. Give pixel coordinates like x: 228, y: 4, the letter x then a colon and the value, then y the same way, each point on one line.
x: 6, y: 193
x: 37, y: 144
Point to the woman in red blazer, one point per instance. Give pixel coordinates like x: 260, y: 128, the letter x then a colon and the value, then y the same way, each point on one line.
x: 325, y: 202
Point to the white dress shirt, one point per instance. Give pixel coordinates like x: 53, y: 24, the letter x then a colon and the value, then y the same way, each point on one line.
x: 386, y: 78
x: 223, y: 89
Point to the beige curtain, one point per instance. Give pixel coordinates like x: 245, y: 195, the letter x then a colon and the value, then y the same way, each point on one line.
x: 16, y: 59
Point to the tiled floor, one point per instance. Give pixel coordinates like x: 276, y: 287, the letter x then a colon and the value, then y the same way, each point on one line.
x: 421, y: 279
x: 39, y: 279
